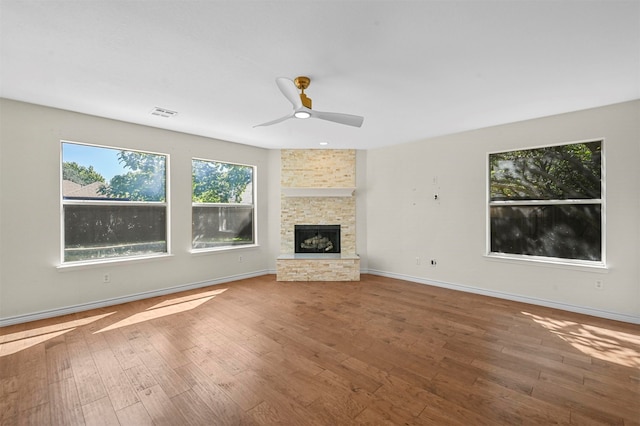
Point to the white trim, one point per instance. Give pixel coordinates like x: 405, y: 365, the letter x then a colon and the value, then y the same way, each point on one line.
x: 111, y: 260
x: 548, y: 145
x: 545, y: 202
x: 107, y: 202
x: 602, y: 201
x: 221, y: 249
x: 19, y: 319
x: 554, y: 262
x: 633, y: 319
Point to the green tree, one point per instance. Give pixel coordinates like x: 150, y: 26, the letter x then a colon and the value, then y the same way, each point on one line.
x: 558, y: 172
x: 215, y: 182
x: 81, y: 175
x: 145, y: 180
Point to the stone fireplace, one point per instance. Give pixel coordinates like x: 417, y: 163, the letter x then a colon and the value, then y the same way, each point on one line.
x: 318, y: 191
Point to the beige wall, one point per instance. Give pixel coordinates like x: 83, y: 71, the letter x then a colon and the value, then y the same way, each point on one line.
x: 397, y: 220
x: 406, y: 227
x: 30, y: 280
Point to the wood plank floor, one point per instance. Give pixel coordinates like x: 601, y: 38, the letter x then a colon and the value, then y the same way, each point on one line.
x: 377, y: 352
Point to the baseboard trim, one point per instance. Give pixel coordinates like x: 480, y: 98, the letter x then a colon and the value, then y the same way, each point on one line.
x: 19, y: 319
x: 509, y: 296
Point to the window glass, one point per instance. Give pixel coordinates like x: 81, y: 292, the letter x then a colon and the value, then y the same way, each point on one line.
x: 557, y: 172
x: 114, y: 203
x: 561, y: 231
x: 547, y: 202
x: 223, y: 204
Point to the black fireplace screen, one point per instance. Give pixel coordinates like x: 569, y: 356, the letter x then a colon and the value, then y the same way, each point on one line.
x: 317, y: 238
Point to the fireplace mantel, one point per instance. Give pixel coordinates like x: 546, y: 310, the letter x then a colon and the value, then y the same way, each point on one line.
x: 317, y: 192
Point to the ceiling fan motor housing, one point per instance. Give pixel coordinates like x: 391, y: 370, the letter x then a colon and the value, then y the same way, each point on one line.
x: 302, y: 82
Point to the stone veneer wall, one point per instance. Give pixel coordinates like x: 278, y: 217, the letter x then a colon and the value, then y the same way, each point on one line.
x: 318, y: 168
x: 318, y: 211
x: 314, y: 168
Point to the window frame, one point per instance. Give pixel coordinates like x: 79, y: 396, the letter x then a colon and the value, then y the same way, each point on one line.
x: 114, y: 259
x: 254, y: 216
x: 602, y: 263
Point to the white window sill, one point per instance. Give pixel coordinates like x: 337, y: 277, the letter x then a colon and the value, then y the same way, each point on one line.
x: 222, y: 249
x: 598, y: 267
x: 102, y: 262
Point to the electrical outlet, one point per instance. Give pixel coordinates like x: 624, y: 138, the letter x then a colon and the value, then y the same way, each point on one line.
x: 433, y: 262
x: 240, y: 259
x: 106, y: 278
x: 599, y: 285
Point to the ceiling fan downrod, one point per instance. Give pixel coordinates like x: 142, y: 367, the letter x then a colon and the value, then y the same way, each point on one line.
x: 302, y: 83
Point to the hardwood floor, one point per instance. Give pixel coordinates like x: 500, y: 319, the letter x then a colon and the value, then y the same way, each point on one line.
x: 380, y: 351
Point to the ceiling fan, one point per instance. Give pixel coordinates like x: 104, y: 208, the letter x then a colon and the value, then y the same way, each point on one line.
x: 302, y: 104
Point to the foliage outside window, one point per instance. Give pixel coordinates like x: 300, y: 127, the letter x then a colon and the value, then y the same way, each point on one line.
x: 114, y: 203
x: 547, y: 202
x: 223, y: 204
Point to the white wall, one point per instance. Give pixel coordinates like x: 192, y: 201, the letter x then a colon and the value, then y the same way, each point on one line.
x: 30, y: 281
x: 404, y: 221
x: 361, y: 209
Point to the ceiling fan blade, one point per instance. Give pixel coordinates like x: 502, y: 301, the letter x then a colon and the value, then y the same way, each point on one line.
x: 276, y: 121
x: 348, y: 119
x: 289, y: 90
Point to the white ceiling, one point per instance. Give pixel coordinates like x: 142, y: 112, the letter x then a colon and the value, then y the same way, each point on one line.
x: 413, y: 69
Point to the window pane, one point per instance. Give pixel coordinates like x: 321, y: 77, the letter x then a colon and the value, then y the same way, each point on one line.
x: 217, y: 226
x: 560, y: 231
x: 111, y: 178
x: 554, y: 173
x: 226, y: 218
x: 97, y: 173
x: 215, y: 182
x: 98, y: 232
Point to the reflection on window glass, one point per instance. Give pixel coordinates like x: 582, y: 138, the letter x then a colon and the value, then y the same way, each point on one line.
x: 547, y: 202
x: 114, y: 202
x: 219, y: 226
x: 105, y: 231
x: 223, y: 210
x: 560, y: 231
x: 552, y: 173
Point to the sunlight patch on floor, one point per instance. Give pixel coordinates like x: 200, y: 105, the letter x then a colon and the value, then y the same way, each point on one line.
x: 165, y: 308
x: 598, y: 342
x: 191, y: 297
x: 15, y: 342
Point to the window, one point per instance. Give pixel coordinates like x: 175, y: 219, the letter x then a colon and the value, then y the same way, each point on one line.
x: 223, y: 204
x: 547, y: 202
x: 113, y: 202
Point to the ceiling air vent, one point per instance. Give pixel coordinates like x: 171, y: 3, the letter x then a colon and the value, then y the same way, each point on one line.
x: 163, y: 112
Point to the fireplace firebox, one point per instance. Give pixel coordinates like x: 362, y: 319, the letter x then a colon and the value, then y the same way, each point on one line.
x: 317, y: 238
